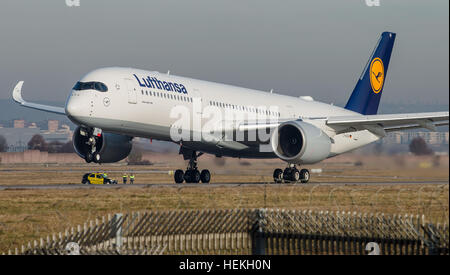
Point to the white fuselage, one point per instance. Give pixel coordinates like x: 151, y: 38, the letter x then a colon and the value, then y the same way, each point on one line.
x: 138, y: 104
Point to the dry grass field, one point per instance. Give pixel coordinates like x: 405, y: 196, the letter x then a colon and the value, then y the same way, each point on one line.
x: 26, y: 215
x: 346, y: 168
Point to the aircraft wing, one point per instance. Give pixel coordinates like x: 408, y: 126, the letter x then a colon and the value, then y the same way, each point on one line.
x: 378, y: 124
x: 17, y: 96
x: 389, y: 123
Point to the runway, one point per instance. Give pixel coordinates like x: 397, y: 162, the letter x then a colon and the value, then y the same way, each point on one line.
x: 211, y: 185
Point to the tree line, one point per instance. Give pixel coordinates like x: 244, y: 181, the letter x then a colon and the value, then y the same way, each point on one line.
x: 37, y: 142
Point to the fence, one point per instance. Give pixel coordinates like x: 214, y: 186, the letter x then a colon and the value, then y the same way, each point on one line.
x: 248, y: 231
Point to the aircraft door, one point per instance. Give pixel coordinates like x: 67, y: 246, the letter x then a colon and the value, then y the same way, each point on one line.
x: 132, y: 92
x: 197, y: 97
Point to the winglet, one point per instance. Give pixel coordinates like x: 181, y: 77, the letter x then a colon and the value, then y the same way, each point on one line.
x: 17, y: 93
x: 17, y: 96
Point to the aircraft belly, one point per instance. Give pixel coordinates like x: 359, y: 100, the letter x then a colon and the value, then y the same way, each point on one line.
x: 250, y: 152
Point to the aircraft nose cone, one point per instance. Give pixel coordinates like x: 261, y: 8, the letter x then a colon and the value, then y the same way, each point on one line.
x: 75, y: 108
x: 72, y: 109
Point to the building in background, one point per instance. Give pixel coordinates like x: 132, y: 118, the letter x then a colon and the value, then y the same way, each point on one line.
x: 19, y: 123
x: 62, y: 135
x: 18, y: 137
x: 53, y: 125
x: 431, y: 138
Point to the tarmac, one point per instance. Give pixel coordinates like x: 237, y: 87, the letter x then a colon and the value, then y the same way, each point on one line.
x: 207, y: 185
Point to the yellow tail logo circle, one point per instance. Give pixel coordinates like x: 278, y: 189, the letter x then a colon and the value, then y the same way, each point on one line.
x: 377, y: 75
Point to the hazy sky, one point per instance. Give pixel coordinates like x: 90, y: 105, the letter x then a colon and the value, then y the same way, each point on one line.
x: 313, y: 47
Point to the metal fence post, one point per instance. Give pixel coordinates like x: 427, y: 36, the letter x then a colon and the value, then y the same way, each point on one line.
x: 258, y: 236
x: 117, y: 228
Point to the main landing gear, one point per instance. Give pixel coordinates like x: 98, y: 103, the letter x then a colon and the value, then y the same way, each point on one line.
x: 192, y: 174
x: 291, y: 174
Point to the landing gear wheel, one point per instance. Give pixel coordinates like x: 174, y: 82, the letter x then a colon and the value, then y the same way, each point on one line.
x: 295, y: 175
x: 192, y: 176
x: 304, y: 175
x: 287, y: 174
x: 187, y: 176
x: 291, y: 174
x: 205, y: 176
x: 278, y: 175
x: 195, y: 176
x: 179, y: 176
x: 97, y: 157
x: 89, y: 157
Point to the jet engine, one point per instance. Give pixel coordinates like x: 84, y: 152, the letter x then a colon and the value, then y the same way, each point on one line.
x: 101, y: 148
x: 298, y: 142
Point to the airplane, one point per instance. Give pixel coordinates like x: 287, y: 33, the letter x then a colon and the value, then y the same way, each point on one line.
x: 111, y: 106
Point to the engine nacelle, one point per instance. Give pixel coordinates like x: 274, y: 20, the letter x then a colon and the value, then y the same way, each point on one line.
x: 299, y: 142
x: 109, y: 147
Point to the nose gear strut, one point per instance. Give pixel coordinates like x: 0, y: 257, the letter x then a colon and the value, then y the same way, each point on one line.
x: 91, y: 154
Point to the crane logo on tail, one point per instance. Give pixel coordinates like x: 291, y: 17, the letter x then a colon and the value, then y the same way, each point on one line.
x: 377, y: 75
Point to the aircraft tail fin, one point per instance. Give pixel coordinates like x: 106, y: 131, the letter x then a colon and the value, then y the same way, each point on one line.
x: 367, y: 93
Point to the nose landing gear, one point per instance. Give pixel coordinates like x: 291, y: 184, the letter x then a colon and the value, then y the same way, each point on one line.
x: 291, y: 174
x: 91, y: 145
x: 192, y: 174
x: 93, y: 140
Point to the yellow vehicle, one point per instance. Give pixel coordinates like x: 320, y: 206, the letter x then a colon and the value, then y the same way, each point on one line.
x: 97, y: 178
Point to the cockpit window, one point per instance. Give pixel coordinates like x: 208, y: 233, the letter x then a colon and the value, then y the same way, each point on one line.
x: 98, y: 86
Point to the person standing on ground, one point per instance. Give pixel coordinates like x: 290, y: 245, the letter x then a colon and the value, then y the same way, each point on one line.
x: 124, y: 177
x: 132, y: 179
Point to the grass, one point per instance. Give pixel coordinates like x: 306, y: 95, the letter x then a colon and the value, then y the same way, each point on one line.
x: 27, y: 215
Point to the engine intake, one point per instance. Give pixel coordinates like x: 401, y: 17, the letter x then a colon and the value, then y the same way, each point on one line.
x: 299, y: 142
x: 109, y: 147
